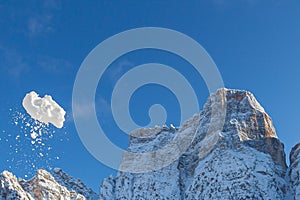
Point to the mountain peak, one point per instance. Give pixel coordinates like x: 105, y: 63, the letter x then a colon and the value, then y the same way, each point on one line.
x: 239, y: 96
x: 243, y: 114
x: 233, y: 143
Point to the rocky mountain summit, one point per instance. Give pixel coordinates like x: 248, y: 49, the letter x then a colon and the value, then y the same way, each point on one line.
x: 228, y: 151
x: 234, y: 154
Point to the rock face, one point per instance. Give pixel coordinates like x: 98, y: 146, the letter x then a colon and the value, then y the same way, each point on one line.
x: 44, y: 186
x: 233, y: 155
x: 228, y: 151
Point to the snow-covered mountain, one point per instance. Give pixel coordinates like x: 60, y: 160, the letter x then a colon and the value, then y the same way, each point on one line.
x: 234, y: 154
x: 243, y: 159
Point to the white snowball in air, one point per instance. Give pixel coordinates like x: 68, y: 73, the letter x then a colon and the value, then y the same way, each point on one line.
x: 44, y: 109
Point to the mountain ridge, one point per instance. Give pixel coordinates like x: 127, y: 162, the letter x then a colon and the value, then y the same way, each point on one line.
x: 232, y: 155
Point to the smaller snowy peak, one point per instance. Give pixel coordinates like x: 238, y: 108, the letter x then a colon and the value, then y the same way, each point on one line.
x: 11, y: 189
x: 73, y: 184
x: 44, y: 186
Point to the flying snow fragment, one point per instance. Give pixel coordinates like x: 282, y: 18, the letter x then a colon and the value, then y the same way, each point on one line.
x: 44, y: 109
x: 33, y: 135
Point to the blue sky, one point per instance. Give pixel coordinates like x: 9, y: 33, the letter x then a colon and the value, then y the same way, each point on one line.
x: 255, y: 44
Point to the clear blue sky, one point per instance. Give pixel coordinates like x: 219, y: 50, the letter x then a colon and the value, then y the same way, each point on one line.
x: 255, y: 44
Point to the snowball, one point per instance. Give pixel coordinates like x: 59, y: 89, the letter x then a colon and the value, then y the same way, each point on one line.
x: 44, y: 109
